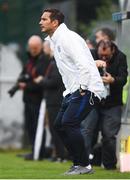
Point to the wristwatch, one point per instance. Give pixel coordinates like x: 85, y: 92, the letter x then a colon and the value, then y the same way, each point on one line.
x: 82, y: 89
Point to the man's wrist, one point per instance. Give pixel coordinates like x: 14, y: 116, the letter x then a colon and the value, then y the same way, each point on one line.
x: 82, y: 89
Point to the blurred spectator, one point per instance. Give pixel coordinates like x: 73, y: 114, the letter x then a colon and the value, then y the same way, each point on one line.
x: 53, y: 86
x: 114, y: 74
x: 32, y: 93
x: 104, y: 34
x: 101, y: 34
x: 90, y: 43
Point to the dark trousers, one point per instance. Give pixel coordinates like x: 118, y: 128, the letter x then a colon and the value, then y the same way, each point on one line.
x: 31, y: 121
x: 110, y: 125
x: 52, y: 113
x: 88, y: 129
x: 109, y: 120
x: 73, y: 110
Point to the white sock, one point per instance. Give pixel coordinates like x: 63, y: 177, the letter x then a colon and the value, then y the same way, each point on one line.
x: 89, y: 166
x: 91, y: 156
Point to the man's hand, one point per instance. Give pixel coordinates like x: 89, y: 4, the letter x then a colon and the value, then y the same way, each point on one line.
x: 108, y: 79
x: 100, y: 63
x: 38, y: 79
x: 22, y: 85
x: 82, y: 92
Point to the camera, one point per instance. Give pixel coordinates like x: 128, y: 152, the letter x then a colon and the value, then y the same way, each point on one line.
x: 102, y: 71
x: 23, y: 78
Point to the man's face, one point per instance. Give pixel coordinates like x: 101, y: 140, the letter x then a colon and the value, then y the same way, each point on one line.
x: 100, y: 36
x: 46, y: 24
x: 105, y: 54
x: 35, y: 49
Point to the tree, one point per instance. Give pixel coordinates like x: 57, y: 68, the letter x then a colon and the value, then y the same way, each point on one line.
x: 103, y: 12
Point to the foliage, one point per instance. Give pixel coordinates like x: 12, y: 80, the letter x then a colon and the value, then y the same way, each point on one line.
x: 103, y: 12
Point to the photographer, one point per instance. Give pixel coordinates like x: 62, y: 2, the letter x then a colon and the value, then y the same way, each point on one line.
x: 32, y: 92
x: 112, y: 65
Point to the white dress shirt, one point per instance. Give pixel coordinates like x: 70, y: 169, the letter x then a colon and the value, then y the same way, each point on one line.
x: 75, y: 62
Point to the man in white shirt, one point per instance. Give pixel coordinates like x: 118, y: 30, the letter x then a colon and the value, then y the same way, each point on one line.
x: 84, y: 86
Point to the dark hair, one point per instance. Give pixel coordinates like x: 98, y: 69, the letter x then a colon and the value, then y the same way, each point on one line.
x: 107, y: 44
x: 55, y: 15
x: 108, y: 32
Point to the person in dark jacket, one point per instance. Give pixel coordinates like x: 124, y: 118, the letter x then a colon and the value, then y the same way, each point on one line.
x: 53, y: 87
x: 112, y: 65
x: 32, y: 92
x: 104, y: 33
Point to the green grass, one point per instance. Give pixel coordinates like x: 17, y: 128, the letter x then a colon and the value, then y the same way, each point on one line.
x: 12, y: 167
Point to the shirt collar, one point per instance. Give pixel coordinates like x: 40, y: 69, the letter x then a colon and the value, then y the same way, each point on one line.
x: 61, y: 28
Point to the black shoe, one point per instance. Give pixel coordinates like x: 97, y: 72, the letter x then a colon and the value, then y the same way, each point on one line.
x: 22, y: 155
x: 52, y: 159
x: 58, y: 159
x: 28, y: 157
x: 41, y: 158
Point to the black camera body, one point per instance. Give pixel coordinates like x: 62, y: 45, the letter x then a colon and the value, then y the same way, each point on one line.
x: 102, y: 71
x: 25, y: 78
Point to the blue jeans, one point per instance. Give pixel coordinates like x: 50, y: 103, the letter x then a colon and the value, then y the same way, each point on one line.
x: 73, y: 110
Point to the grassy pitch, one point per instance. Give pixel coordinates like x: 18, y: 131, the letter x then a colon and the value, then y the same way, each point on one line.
x: 12, y: 167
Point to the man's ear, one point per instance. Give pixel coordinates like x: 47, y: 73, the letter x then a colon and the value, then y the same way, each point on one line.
x: 55, y: 23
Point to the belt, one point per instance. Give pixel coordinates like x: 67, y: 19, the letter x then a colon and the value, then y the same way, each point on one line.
x: 67, y: 95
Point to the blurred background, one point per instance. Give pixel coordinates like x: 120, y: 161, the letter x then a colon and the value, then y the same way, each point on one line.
x: 19, y: 19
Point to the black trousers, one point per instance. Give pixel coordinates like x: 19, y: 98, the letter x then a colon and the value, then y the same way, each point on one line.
x: 73, y: 110
x: 31, y: 121
x: 110, y: 126
x: 59, y: 146
x: 109, y: 121
x: 89, y: 130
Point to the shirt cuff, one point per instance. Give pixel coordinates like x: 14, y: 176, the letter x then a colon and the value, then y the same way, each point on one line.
x: 83, y: 87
